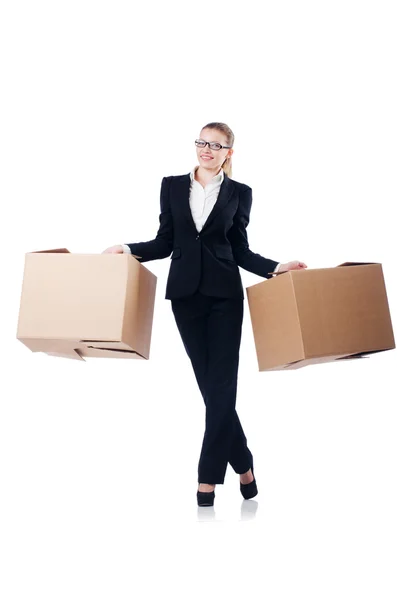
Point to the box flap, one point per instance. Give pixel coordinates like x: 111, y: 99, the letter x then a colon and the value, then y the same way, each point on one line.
x: 94, y: 352
x: 54, y: 250
x: 111, y: 347
x: 352, y: 264
x: 318, y: 360
x: 72, y: 354
x: 77, y: 349
x: 278, y: 272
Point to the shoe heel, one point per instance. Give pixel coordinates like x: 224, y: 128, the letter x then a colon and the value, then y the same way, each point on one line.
x: 249, y: 490
x: 205, y: 498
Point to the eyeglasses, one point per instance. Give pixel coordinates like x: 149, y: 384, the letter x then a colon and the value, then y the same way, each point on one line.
x: 212, y: 145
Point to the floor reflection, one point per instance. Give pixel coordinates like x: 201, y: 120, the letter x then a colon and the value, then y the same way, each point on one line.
x: 248, y: 511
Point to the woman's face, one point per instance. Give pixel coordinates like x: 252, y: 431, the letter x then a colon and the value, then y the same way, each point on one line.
x: 212, y: 159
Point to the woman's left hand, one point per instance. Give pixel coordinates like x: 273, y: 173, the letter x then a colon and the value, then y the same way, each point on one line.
x: 292, y: 265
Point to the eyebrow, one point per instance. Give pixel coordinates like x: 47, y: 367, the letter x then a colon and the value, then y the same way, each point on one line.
x: 211, y: 141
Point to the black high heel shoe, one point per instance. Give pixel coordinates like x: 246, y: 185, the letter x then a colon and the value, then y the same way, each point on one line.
x: 249, y: 490
x: 205, y: 498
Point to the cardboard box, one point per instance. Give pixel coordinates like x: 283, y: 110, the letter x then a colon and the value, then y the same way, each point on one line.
x: 310, y: 316
x: 86, y: 305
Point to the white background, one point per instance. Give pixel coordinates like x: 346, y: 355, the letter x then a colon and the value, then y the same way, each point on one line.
x: 98, y: 468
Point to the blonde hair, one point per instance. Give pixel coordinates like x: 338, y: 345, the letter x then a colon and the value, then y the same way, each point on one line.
x: 227, y: 163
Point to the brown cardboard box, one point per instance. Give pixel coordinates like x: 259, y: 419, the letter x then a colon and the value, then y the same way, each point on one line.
x: 79, y: 305
x: 309, y: 316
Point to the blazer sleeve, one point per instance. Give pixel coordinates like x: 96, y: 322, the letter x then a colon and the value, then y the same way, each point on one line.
x: 237, y: 235
x: 161, y: 246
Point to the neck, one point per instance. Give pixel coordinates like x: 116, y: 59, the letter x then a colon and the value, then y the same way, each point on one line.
x: 206, y: 174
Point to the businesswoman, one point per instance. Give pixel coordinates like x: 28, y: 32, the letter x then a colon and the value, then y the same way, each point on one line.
x: 203, y: 221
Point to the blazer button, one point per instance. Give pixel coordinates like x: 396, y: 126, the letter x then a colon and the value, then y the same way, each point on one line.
x: 197, y: 237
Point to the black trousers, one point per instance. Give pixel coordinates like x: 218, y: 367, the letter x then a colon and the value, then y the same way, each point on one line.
x: 210, y: 328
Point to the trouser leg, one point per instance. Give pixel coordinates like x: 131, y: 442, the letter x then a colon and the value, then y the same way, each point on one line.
x: 224, y: 440
x: 191, y: 315
x: 210, y: 329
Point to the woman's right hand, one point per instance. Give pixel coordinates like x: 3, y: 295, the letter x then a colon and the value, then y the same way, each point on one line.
x: 114, y: 250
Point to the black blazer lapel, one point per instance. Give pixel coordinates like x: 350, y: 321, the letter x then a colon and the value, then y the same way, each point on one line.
x: 184, y: 192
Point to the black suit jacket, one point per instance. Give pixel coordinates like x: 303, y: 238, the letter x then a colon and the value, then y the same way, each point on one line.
x: 207, y: 261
